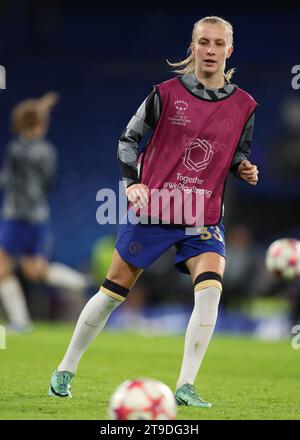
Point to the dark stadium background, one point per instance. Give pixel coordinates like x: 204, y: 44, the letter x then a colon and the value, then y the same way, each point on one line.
x: 103, y: 59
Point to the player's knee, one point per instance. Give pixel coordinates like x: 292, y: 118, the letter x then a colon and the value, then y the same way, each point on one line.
x: 34, y: 270
x: 114, y: 290
x: 5, y: 271
x: 6, y: 265
x: 208, y: 280
x: 33, y: 274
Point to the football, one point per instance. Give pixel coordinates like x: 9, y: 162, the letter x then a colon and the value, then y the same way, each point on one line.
x: 142, y: 399
x: 283, y: 258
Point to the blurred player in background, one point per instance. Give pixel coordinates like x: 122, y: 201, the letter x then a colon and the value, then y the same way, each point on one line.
x: 26, y: 178
x: 201, y: 106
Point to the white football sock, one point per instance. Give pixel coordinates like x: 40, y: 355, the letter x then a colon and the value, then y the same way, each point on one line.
x: 60, y: 275
x: 91, y: 321
x: 13, y: 301
x: 199, y: 333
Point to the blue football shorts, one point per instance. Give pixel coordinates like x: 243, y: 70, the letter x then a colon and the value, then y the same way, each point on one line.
x: 142, y: 244
x: 19, y: 237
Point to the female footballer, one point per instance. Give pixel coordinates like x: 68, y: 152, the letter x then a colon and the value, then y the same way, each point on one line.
x: 26, y: 178
x: 202, y: 128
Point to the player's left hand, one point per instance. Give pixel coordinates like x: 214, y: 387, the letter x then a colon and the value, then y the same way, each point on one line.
x: 248, y: 172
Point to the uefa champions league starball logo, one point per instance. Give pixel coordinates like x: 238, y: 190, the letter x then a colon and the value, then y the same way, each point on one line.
x: 181, y: 106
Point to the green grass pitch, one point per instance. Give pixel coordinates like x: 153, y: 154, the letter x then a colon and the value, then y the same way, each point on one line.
x: 243, y: 378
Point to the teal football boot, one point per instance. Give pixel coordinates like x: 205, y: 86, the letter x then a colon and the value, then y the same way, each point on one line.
x: 188, y: 396
x: 60, y: 384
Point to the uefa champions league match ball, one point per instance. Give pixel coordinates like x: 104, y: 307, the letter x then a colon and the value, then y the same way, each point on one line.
x: 142, y: 399
x: 283, y: 258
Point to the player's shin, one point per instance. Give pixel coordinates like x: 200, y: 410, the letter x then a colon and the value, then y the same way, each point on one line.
x: 60, y: 275
x: 91, y: 321
x: 208, y: 287
x: 14, y: 303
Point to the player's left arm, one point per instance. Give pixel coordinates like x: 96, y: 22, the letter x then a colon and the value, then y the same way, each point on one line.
x: 241, y: 167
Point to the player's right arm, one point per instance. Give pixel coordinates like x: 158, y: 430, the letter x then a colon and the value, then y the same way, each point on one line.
x: 144, y: 120
x: 47, y: 167
x: 6, y: 167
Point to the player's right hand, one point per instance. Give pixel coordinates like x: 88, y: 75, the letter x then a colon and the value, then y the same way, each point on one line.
x: 138, y: 194
x: 48, y: 100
